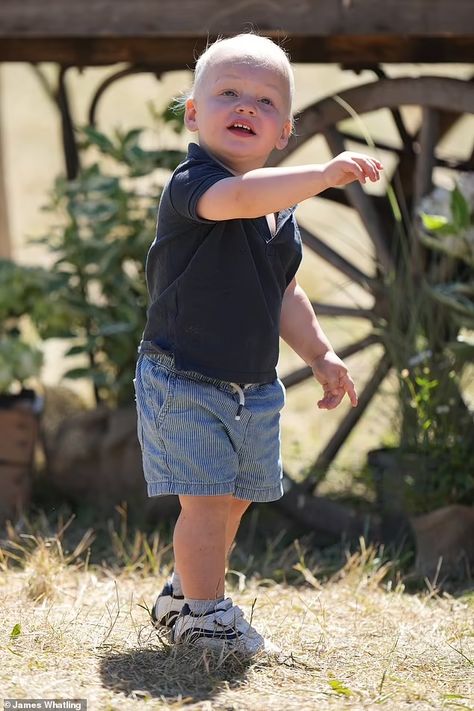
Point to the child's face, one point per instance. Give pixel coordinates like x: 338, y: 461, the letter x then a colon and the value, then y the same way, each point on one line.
x: 241, y: 111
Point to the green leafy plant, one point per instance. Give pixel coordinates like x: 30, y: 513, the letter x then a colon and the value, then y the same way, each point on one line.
x: 428, y: 337
x: 21, y: 290
x: 450, y: 231
x: 105, y: 222
x: 94, y: 294
x: 438, y: 423
x: 31, y: 309
x: 19, y: 362
x: 457, y: 223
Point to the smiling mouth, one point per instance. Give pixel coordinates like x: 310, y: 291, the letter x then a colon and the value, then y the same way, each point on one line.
x: 241, y: 128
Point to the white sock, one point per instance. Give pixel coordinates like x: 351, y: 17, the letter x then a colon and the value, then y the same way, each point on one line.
x: 200, y: 607
x: 176, y: 583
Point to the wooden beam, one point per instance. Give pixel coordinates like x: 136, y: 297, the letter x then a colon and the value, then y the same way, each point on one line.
x: 161, y: 18
x: 5, y: 245
x: 171, y: 53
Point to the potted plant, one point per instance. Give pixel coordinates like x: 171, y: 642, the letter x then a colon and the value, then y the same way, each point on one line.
x: 20, y: 365
x: 430, y: 338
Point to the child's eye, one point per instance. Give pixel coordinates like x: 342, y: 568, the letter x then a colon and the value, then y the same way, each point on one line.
x: 229, y: 92
x: 266, y: 100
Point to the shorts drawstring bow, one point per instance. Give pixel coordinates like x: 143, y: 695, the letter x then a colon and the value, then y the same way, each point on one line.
x: 239, y: 389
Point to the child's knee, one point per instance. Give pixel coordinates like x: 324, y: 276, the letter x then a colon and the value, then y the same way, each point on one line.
x: 211, y: 506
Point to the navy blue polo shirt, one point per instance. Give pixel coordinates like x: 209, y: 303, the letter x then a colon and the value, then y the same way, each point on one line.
x: 216, y: 288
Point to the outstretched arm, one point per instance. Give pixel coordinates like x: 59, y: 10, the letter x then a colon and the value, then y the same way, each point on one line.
x: 300, y: 328
x: 265, y: 190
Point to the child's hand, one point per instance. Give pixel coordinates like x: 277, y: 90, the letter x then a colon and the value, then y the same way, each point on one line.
x: 350, y: 166
x: 333, y: 375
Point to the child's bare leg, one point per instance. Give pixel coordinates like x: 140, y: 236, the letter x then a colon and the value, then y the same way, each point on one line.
x: 199, y: 543
x: 237, y: 509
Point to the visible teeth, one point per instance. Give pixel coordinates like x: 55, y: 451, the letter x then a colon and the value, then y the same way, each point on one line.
x: 241, y: 125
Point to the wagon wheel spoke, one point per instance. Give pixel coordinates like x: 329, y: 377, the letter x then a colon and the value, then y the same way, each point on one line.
x: 380, y: 145
x: 298, y: 376
x: 338, y: 261
x: 346, y: 426
x: 339, y: 196
x: 470, y: 162
x: 362, y: 203
x: 428, y: 137
x: 405, y: 137
x: 447, y: 119
x: 334, y: 194
x: 324, y: 309
x: 415, y: 170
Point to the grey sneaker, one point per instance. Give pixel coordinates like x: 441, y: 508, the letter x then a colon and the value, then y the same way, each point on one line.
x: 167, y: 607
x: 224, y: 627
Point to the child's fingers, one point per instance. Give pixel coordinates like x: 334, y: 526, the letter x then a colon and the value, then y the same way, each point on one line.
x: 333, y: 394
x: 357, y: 170
x: 376, y: 168
x: 329, y: 402
x: 373, y: 171
x: 331, y: 398
x: 350, y: 389
x: 369, y: 169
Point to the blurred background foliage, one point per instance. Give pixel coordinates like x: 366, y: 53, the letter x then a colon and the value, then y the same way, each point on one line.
x: 93, y: 296
x: 94, y: 293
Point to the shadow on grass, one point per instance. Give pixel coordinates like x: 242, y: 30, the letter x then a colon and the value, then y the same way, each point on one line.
x: 172, y: 673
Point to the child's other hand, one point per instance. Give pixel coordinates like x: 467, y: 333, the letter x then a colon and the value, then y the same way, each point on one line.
x: 350, y: 166
x: 334, y: 377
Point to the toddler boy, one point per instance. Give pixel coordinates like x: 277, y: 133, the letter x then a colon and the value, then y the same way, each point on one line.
x: 222, y: 285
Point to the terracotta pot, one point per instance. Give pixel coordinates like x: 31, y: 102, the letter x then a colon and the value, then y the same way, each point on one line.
x: 19, y: 431
x: 445, y: 542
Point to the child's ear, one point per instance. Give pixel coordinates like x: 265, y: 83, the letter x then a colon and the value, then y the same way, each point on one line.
x: 282, y: 142
x: 190, y: 119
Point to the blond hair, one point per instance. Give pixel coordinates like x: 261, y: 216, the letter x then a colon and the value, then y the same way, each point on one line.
x: 250, y: 48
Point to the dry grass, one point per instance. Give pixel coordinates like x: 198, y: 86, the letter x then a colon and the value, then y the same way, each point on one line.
x: 350, y: 641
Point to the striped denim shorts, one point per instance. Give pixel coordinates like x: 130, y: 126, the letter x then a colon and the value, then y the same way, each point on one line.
x: 205, y: 437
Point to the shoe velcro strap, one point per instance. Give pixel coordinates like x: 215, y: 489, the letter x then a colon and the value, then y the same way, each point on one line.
x: 232, y: 617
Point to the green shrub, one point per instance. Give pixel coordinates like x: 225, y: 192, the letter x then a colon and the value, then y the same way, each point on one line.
x: 21, y: 293
x: 94, y: 294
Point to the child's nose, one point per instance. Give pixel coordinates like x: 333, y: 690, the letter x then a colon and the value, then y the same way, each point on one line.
x: 246, y: 107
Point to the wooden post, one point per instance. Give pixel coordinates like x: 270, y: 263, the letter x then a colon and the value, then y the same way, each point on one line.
x: 5, y: 245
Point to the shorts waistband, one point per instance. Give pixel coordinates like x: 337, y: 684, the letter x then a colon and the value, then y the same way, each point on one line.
x: 166, y: 358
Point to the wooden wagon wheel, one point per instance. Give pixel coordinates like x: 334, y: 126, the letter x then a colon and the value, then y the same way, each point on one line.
x: 442, y: 102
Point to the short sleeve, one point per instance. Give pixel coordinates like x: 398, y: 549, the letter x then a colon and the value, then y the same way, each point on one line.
x: 190, y: 182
